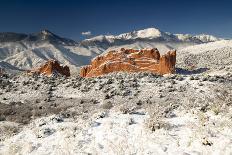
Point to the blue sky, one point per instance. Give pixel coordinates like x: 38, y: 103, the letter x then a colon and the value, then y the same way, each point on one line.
x: 69, y: 18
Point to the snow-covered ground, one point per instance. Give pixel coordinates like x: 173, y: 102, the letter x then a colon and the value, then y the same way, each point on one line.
x: 117, y: 133
x: 117, y: 114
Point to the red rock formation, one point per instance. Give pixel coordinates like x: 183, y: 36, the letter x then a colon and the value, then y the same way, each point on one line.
x: 129, y: 60
x: 51, y: 67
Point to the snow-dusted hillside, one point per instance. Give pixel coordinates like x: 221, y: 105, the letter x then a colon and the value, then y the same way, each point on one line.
x: 207, y: 47
x: 8, y: 68
x: 32, y: 55
x: 215, y: 56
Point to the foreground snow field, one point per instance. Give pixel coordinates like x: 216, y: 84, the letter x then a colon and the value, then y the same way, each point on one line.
x: 117, y: 114
x: 119, y: 133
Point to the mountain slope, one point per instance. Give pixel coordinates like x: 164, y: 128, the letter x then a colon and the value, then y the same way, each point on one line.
x: 29, y: 51
x: 33, y: 55
x: 8, y: 68
x: 214, y: 56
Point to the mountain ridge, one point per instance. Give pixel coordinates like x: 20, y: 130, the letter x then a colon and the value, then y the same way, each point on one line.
x: 41, y: 36
x: 154, y: 33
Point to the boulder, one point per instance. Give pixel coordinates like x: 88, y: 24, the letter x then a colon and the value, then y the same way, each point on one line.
x: 129, y: 60
x: 51, y: 67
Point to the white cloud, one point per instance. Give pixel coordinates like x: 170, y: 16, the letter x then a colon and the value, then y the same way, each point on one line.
x: 88, y: 33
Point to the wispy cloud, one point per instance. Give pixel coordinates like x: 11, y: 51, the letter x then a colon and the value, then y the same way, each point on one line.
x: 88, y: 33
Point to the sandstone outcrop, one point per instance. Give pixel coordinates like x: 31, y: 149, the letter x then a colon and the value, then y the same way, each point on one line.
x: 129, y: 60
x: 51, y: 67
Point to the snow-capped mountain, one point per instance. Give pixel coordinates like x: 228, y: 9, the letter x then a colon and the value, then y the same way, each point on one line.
x: 207, y: 38
x: 148, y: 38
x: 25, y: 51
x: 153, y: 33
x: 149, y: 33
